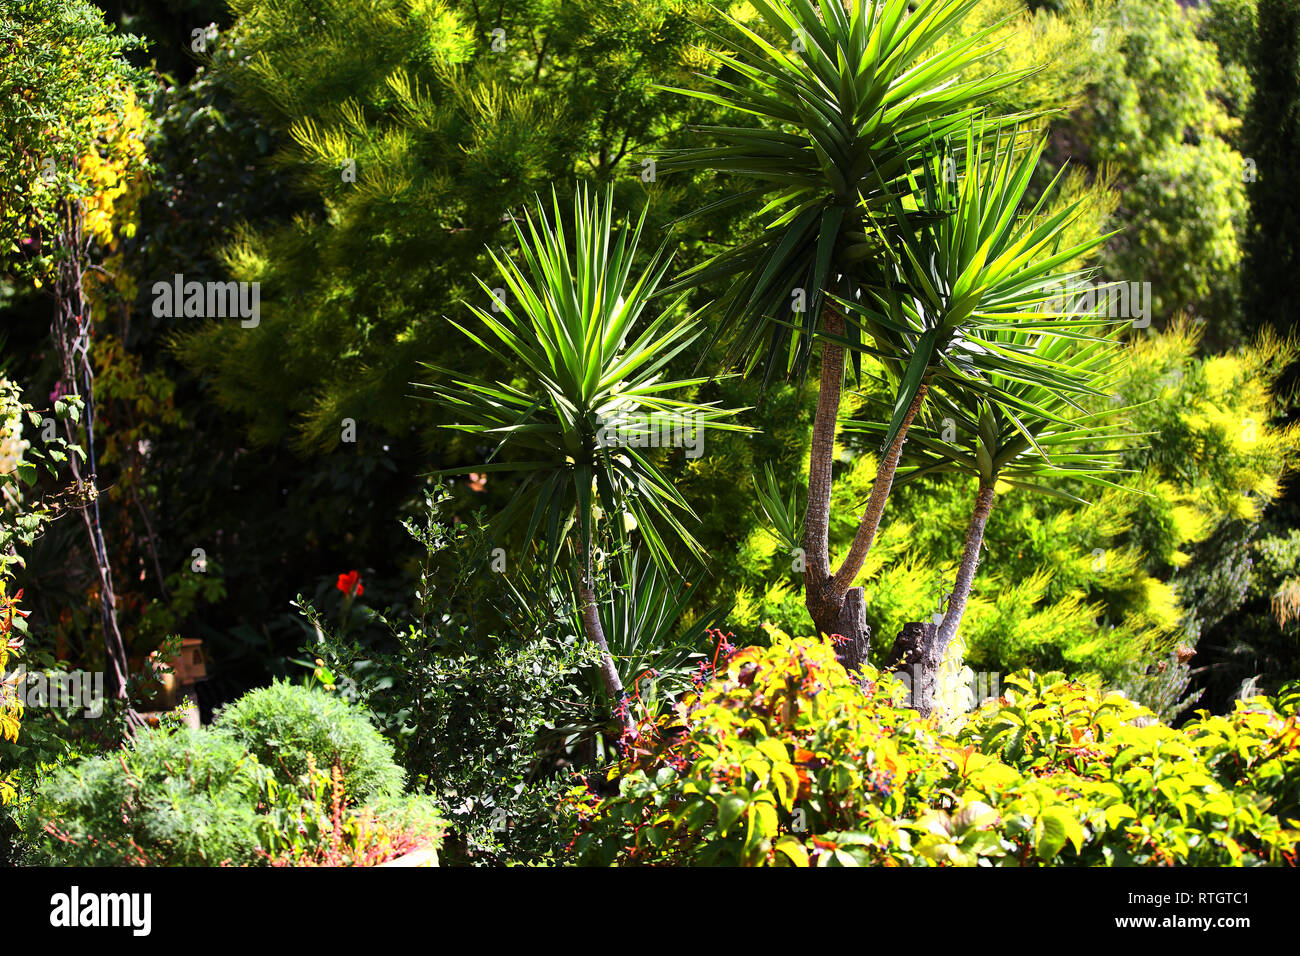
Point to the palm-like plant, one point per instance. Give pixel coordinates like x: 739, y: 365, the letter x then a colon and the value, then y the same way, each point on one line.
x: 847, y: 102
x: 835, y: 128
x: 1018, y: 432
x: 591, y: 357
x: 970, y: 262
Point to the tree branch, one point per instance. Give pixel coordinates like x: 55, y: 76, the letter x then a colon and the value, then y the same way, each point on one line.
x: 870, y: 523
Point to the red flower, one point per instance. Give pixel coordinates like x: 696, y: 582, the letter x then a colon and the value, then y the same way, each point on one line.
x: 350, y: 584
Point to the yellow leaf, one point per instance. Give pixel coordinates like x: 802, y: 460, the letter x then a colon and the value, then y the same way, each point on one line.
x: 786, y: 780
x: 774, y: 750
x: 793, y: 850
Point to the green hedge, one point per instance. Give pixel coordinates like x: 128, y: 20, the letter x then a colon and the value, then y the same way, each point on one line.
x: 287, y: 727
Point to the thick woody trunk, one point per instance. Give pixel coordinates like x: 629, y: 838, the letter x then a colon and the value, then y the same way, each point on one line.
x: 835, y: 606
x: 871, y: 515
x: 842, y: 614
x: 920, y: 649
x: 816, y: 532
x: 907, y: 657
x: 852, y: 627
x: 596, y: 634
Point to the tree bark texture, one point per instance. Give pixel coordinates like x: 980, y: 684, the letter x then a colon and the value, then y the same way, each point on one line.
x: 596, y: 634
x: 935, y: 640
x: 835, y: 605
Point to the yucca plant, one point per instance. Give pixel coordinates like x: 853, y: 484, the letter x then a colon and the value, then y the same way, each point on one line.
x: 847, y: 98
x: 970, y: 262
x: 653, y: 637
x: 1012, y: 433
x: 869, y: 218
x: 834, y: 132
x: 587, y: 360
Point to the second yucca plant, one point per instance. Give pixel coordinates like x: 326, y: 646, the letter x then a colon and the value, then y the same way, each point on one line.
x: 584, y: 348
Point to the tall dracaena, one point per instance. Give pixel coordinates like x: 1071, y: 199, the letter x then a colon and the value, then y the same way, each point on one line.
x: 1046, y: 434
x: 969, y: 259
x: 835, y: 105
x: 586, y: 395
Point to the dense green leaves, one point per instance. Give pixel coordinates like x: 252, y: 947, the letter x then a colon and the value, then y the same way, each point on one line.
x: 782, y: 515
x: 410, y: 133
x: 848, y: 101
x: 594, y: 398
x: 1157, y: 123
x: 290, y: 729
x: 68, y: 86
x: 259, y: 787
x: 824, y: 772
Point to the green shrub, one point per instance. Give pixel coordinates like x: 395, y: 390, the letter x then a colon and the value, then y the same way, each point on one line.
x: 288, y: 728
x: 187, y: 798
x: 45, y: 752
x: 488, y: 693
x: 1158, y: 120
x: 784, y: 760
x: 291, y: 777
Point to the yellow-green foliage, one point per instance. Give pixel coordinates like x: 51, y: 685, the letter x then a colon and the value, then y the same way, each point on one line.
x: 1064, y: 46
x: 786, y: 760
x: 11, y: 706
x: 1063, y: 586
x: 70, y: 128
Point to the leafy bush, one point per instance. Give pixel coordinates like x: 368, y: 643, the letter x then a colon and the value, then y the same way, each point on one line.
x: 323, y: 830
x: 464, y: 707
x: 489, y: 691
x: 21, y: 831
x: 187, y: 798
x: 288, y: 727
x: 73, y: 91
x: 202, y: 797
x: 470, y: 720
x: 785, y: 760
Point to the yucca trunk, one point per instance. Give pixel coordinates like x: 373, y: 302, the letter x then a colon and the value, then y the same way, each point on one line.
x: 835, y: 606
x: 816, y: 534
x: 934, y: 641
x: 596, y: 634
x: 875, y: 509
